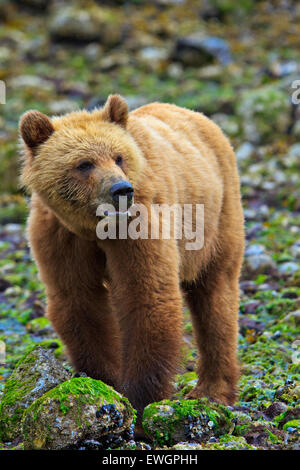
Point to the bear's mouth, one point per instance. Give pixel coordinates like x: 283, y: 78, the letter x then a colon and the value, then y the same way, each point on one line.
x: 116, y: 213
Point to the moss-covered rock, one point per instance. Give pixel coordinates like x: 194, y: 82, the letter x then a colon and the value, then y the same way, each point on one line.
x: 230, y: 442
x: 33, y: 376
x: 289, y: 392
x: 169, y: 422
x: 77, y: 411
x: 40, y: 325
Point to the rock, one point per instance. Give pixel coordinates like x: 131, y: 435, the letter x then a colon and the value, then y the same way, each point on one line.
x: 294, y: 151
x: 227, y: 123
x: 135, y: 102
x: 170, y: 422
x: 242, y: 422
x: 230, y: 443
x: 292, y: 318
x: 92, y: 24
x: 247, y: 324
x: 275, y: 409
x: 39, y: 326
x: 134, y: 445
x: 251, y: 306
x: 248, y: 287
x: 289, y: 267
x: 258, y: 264
x: 291, y: 414
x: 253, y: 231
x: 295, y: 250
x: 33, y: 376
x: 288, y: 393
x: 153, y: 54
x: 281, y: 69
x: 255, y: 249
x: 12, y: 228
x: 196, y: 50
x: 63, y: 106
x: 263, y: 112
x: 261, y: 435
x: 187, y: 446
x: 260, y: 213
x: 245, y: 151
x: 81, y: 412
x: 32, y: 82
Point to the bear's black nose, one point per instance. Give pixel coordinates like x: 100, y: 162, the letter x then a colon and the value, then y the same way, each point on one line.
x: 122, y: 188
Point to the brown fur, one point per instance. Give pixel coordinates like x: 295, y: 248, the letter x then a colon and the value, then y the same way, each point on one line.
x: 117, y: 304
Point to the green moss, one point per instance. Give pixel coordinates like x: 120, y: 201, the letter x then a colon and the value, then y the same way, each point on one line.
x: 294, y: 423
x: 274, y: 439
x: 15, y: 390
x: 26, y: 383
x: 37, y: 324
x: 184, y: 384
x: 84, y: 389
x: 241, y: 429
x: 67, y: 404
x: 163, y: 419
x: 229, y: 442
x: 56, y: 346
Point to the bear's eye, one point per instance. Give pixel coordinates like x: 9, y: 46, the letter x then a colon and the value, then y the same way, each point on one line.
x: 119, y: 160
x: 86, y: 165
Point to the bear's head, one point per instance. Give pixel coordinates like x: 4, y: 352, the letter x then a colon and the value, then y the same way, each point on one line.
x: 81, y: 160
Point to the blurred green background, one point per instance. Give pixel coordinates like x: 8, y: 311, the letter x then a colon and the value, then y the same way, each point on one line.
x: 235, y: 61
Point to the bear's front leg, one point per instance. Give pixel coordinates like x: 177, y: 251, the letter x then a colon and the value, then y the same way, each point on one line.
x: 146, y: 297
x: 78, y: 306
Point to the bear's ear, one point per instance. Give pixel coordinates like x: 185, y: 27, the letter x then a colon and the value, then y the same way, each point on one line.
x: 35, y: 129
x: 116, y: 110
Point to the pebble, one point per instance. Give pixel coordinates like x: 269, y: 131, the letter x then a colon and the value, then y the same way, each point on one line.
x: 289, y: 267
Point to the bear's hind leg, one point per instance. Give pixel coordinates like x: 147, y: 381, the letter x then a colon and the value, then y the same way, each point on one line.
x: 213, y: 302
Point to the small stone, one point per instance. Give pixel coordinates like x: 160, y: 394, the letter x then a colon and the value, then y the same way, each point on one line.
x: 12, y: 228
x: 292, y: 318
x: 245, y: 151
x: 253, y: 231
x: 294, y: 151
x: 258, y: 264
x: 153, y: 54
x: 275, y: 409
x: 63, y: 106
x: 289, y: 267
x: 255, y: 249
x: 295, y: 250
x: 196, y: 50
x: 187, y: 446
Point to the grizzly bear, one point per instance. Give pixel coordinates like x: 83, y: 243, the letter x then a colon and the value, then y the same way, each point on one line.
x: 117, y: 303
